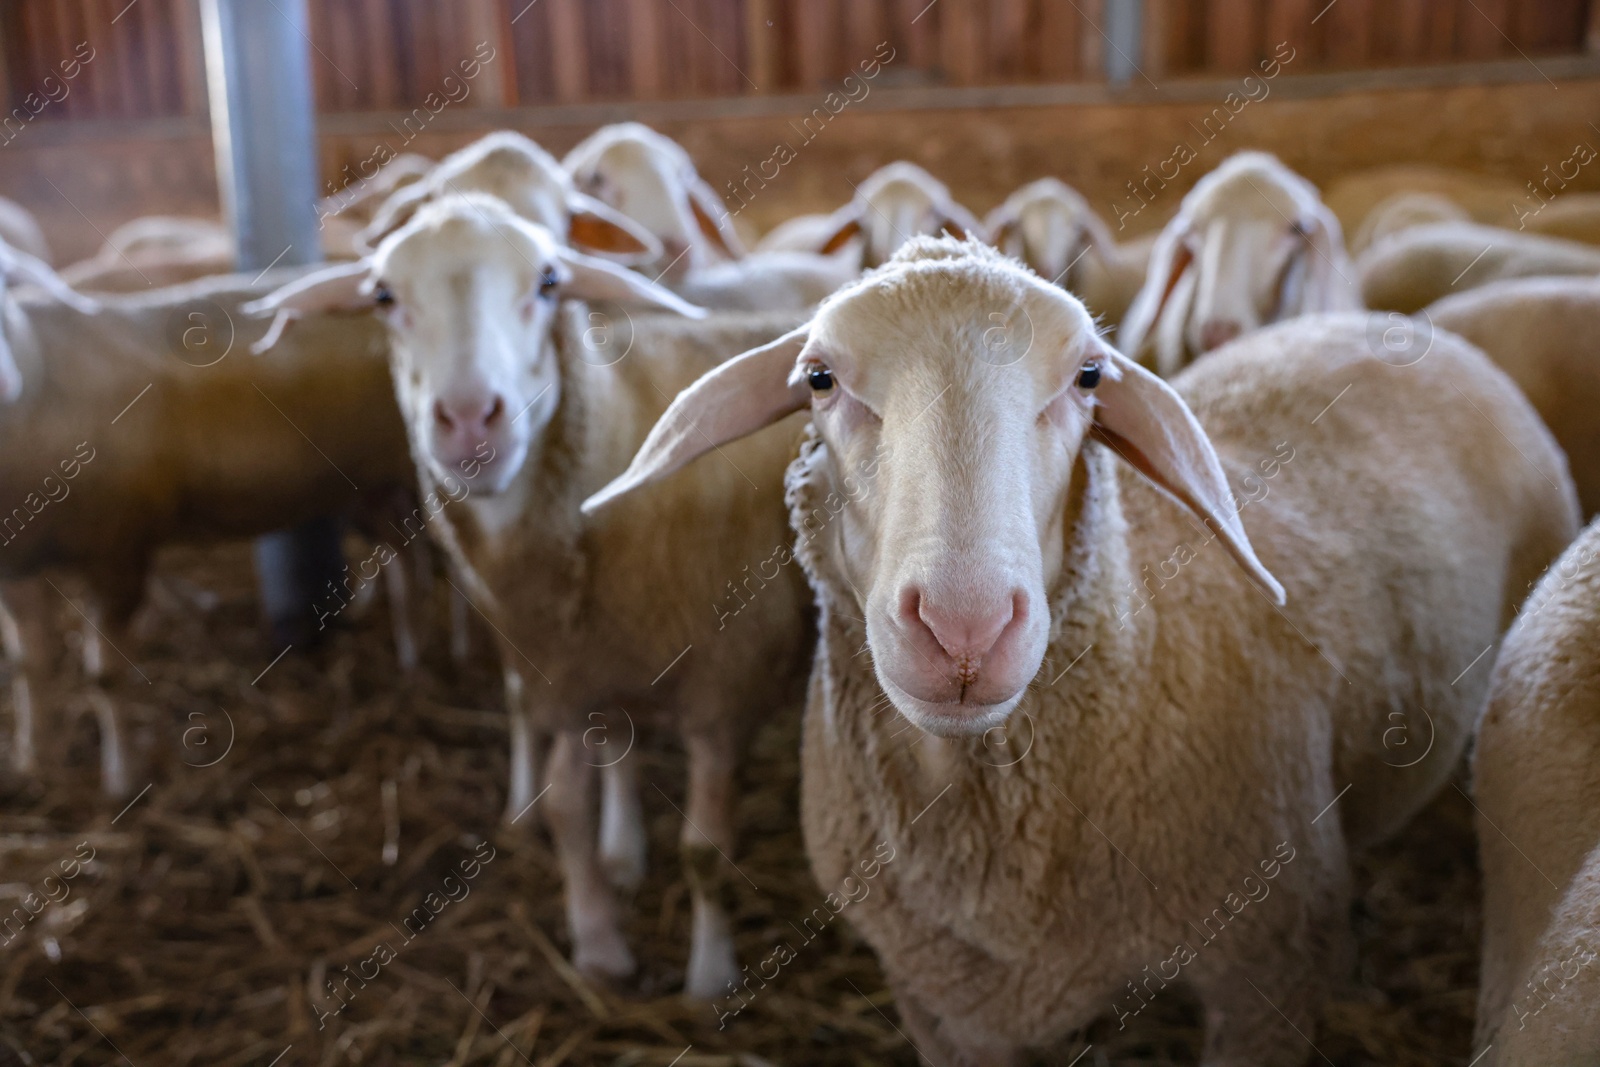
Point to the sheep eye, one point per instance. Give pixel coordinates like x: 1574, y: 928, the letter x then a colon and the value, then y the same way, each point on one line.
x: 820, y: 379
x: 1089, y: 376
x: 548, y: 283
x: 382, y: 296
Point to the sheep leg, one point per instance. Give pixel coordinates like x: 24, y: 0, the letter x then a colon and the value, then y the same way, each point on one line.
x: 624, y: 845
x: 705, y: 846
x: 401, y: 615
x: 520, y: 791
x: 593, y: 915
x: 25, y: 630
x: 115, y: 594
x: 460, y: 632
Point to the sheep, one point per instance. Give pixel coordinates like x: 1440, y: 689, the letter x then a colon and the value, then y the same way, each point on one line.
x: 1354, y: 197
x: 143, y: 421
x: 802, y: 233
x: 1409, y: 270
x: 892, y: 205
x: 1188, y: 743
x: 641, y: 609
x: 1051, y: 227
x: 650, y: 178
x: 1401, y: 212
x: 1573, y: 216
x: 518, y: 172
x: 20, y: 230
x: 1541, y: 331
x: 1538, y: 808
x: 361, y: 197
x: 1251, y: 244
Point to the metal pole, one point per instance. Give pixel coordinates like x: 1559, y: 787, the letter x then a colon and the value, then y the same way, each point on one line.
x: 258, y: 79
x: 1124, y: 39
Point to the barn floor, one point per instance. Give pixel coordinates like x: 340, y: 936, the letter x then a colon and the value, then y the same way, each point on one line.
x: 220, y: 891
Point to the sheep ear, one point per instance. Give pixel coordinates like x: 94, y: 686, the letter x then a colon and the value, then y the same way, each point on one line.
x: 1150, y: 427
x: 1326, y: 279
x: 745, y: 394
x: 955, y: 221
x: 599, y: 227
x: 849, y: 229
x: 20, y: 267
x: 342, y: 287
x: 712, y: 216
x: 1170, y: 259
x: 598, y: 279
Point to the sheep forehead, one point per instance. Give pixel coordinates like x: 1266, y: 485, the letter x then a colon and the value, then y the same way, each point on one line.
x: 464, y: 233
x: 902, y: 177
x: 948, y: 314
x: 1253, y: 184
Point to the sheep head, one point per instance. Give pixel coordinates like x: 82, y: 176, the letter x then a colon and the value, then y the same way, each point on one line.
x: 892, y: 205
x: 469, y: 291
x: 1252, y: 244
x: 972, y: 436
x: 1049, y: 226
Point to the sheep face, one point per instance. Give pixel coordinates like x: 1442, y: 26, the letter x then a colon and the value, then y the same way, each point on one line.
x: 1049, y: 226
x: 972, y: 437
x: 893, y: 205
x: 1253, y: 244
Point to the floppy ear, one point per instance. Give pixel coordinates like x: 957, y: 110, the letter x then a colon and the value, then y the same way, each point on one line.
x: 1327, y: 283
x: 1149, y: 426
x: 599, y: 227
x: 599, y: 279
x: 1170, y: 258
x: 957, y: 221
x: 745, y: 394
x: 1000, y: 227
x: 849, y: 227
x: 20, y: 267
x: 711, y: 215
x: 342, y: 287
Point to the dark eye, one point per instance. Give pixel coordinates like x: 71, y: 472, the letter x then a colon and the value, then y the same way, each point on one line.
x: 382, y: 296
x: 548, y: 283
x: 1089, y: 376
x: 820, y: 379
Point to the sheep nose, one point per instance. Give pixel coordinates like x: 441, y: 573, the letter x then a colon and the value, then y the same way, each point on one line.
x: 967, y: 633
x: 473, y: 415
x: 1218, y: 332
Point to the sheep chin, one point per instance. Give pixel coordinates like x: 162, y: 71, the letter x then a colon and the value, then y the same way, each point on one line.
x: 953, y: 719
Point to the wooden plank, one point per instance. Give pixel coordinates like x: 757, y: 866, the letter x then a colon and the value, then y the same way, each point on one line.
x: 761, y: 44
x: 191, y: 58
x: 484, y: 21
x: 1481, y: 28
x: 1157, y: 25
x: 568, y: 54
x: 1092, y: 40
x: 1007, y: 25
x: 644, y: 49
x: 1410, y: 31
x: 1289, y: 22
x: 811, y: 41
x: 960, y: 42
x: 1059, y: 30
x: 1591, y: 37
x: 1230, y: 37
x: 1348, y: 36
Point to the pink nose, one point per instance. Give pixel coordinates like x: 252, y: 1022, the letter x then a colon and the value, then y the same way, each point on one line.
x: 968, y: 633
x: 472, y: 416
x: 1218, y: 332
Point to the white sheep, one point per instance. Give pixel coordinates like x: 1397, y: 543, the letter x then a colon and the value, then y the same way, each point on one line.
x: 1401, y: 212
x: 1409, y: 270
x: 20, y: 230
x: 650, y: 178
x: 1355, y: 196
x: 1050, y: 226
x: 362, y: 195
x: 1542, y: 331
x: 678, y: 606
x: 144, y: 421
x: 892, y: 205
x: 521, y: 174
x: 1115, y: 740
x: 1538, y: 804
x: 1251, y: 244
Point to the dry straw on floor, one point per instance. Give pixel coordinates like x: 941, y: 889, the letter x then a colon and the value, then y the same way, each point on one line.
x: 223, y: 894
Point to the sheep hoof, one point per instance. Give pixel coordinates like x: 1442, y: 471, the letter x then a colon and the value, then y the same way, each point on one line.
x: 624, y: 867
x: 603, y: 957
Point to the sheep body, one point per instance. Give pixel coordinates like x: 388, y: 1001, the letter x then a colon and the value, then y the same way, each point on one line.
x: 1539, y: 825
x: 767, y: 281
x: 1047, y: 890
x: 19, y: 229
x: 1409, y: 270
x: 1541, y: 331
